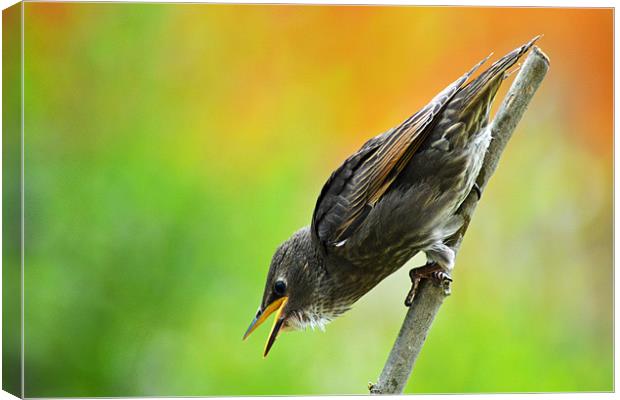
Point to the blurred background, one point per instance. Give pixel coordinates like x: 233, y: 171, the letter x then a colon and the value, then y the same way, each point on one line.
x: 171, y: 147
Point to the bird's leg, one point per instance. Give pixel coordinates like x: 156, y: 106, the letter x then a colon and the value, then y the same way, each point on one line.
x: 431, y: 270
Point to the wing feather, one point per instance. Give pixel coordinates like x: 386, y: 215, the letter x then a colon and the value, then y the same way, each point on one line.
x: 360, y: 182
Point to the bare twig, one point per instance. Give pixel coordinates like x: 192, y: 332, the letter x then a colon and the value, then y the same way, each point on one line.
x: 429, y: 297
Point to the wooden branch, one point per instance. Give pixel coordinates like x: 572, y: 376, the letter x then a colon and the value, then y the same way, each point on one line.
x: 429, y: 296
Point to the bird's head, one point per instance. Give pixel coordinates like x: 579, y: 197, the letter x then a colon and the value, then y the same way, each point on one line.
x: 291, y: 291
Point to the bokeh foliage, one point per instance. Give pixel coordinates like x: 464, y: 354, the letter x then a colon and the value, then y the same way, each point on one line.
x: 171, y: 147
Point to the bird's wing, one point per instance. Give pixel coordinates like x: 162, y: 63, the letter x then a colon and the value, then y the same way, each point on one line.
x: 360, y: 182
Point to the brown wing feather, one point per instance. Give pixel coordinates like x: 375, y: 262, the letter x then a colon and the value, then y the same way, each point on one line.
x: 360, y: 182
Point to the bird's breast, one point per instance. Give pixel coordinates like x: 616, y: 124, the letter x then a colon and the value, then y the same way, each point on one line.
x: 474, y: 152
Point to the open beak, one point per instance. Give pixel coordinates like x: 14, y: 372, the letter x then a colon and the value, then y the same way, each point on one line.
x: 276, y: 306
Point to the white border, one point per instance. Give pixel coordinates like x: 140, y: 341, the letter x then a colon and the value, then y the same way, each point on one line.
x: 484, y: 3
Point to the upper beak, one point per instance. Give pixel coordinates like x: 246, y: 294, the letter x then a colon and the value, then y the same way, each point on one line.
x: 276, y: 306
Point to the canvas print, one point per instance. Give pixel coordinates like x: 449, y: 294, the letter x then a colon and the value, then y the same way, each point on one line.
x: 289, y: 199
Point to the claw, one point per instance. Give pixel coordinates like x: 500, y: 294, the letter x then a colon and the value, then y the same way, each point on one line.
x: 441, y: 276
x: 428, y: 271
x: 411, y: 294
x: 477, y: 190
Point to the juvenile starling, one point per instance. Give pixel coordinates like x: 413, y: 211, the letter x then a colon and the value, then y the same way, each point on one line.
x: 396, y: 196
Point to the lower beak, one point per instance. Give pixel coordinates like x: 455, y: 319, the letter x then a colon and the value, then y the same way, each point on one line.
x: 276, y: 306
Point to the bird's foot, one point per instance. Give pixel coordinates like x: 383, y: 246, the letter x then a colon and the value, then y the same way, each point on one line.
x: 429, y: 271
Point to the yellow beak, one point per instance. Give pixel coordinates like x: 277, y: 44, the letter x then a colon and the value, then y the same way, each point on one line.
x: 276, y: 306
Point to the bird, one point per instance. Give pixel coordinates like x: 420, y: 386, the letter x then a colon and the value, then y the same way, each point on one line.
x: 395, y: 197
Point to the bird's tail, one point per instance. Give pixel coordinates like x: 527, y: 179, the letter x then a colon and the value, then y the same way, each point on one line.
x: 483, y: 89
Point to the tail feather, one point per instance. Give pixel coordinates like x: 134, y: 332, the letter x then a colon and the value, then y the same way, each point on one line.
x: 487, y: 84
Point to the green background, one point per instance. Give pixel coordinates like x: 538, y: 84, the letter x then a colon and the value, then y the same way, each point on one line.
x: 171, y: 148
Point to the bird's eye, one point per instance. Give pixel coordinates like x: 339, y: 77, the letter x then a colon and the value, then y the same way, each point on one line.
x: 279, y: 288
